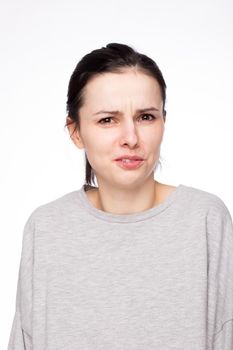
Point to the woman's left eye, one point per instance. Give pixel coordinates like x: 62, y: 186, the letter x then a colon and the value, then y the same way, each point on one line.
x: 151, y: 115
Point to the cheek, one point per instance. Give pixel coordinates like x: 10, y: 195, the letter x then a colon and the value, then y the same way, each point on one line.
x: 153, y: 141
x: 96, y: 148
x: 93, y: 136
x: 97, y: 144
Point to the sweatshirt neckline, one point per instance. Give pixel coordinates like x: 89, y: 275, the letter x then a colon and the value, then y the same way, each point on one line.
x: 126, y: 218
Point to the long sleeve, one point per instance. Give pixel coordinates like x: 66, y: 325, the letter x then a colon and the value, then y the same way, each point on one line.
x: 21, y: 331
x: 220, y: 277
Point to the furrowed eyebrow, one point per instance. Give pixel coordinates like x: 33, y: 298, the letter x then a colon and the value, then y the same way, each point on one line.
x: 137, y: 111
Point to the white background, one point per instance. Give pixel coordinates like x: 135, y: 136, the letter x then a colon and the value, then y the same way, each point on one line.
x: 41, y: 43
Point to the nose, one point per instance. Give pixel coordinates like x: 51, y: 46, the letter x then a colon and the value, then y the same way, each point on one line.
x: 129, y: 134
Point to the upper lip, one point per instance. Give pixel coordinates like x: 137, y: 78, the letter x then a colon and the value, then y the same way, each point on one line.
x: 126, y: 156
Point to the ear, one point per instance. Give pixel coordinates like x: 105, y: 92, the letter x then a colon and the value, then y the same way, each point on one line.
x: 164, y: 116
x: 74, y: 133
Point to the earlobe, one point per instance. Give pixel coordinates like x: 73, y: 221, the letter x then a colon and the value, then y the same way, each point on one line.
x: 74, y: 134
x: 76, y: 138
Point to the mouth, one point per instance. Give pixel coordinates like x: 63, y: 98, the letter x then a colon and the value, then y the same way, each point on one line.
x: 126, y: 163
x: 127, y: 157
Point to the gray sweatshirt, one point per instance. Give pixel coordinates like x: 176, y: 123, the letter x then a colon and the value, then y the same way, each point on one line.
x: 159, y: 279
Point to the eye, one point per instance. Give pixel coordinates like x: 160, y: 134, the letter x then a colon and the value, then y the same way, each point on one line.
x: 151, y: 115
x: 104, y: 119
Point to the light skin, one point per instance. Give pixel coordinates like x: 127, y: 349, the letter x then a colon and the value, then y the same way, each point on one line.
x: 106, y: 136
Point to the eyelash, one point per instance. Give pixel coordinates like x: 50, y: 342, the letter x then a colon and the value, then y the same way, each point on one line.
x: 153, y: 117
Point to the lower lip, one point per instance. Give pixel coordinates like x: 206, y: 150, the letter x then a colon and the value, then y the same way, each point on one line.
x: 129, y: 165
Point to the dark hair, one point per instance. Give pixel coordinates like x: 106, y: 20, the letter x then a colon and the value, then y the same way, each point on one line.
x: 112, y: 58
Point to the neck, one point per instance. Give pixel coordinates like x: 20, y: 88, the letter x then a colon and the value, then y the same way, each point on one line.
x: 126, y: 200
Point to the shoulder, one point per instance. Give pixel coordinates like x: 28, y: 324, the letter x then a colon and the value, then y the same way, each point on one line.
x: 54, y: 210
x: 202, y: 199
x: 215, y: 214
x: 193, y: 196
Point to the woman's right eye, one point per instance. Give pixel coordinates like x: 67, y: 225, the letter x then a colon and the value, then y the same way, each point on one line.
x: 104, y: 119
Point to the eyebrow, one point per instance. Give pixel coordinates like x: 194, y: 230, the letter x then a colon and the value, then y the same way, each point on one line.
x: 137, y: 111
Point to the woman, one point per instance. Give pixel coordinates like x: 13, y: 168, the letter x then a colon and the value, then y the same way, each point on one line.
x: 131, y: 263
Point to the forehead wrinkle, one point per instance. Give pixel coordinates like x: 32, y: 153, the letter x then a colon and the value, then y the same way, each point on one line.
x: 128, y: 105
x: 121, y: 97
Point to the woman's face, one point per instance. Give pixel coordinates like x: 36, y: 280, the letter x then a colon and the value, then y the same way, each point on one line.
x: 111, y: 126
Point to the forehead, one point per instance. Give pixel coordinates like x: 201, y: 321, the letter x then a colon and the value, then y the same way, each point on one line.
x: 114, y: 89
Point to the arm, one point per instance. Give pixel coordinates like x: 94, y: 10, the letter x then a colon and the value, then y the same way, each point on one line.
x: 220, y: 277
x: 21, y: 331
